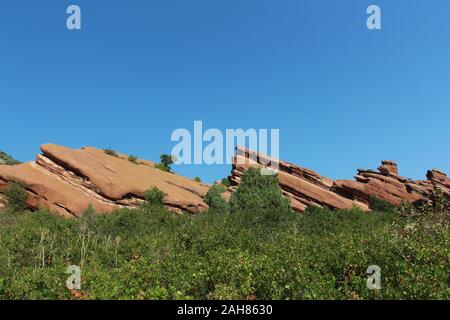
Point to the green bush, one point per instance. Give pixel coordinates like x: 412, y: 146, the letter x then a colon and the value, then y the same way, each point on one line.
x: 197, y: 179
x: 378, y: 204
x: 16, y: 196
x: 154, y: 197
x: 161, y: 167
x: 133, y: 159
x: 260, y: 194
x: 440, y: 202
x: 215, y: 200
x: 110, y: 152
x: 226, y: 182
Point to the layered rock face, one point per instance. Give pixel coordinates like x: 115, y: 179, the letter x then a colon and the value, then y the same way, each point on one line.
x: 307, y: 188
x: 66, y: 181
x: 304, y: 187
x: 386, y: 184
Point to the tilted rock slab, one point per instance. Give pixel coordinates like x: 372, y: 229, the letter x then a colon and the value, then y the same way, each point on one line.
x: 66, y: 181
x: 305, y: 187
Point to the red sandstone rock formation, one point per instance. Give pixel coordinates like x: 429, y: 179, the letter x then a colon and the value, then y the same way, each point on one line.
x: 66, y: 181
x: 386, y: 184
x: 305, y: 187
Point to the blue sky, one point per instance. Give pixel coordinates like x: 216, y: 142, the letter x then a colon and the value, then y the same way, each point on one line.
x: 342, y: 96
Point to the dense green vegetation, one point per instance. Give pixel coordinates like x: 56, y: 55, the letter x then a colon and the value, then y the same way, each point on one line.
x: 16, y: 197
x: 380, y: 205
x: 214, y: 199
x: 225, y: 182
x: 254, y: 248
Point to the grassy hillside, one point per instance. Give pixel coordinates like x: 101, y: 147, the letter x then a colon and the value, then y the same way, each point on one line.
x: 234, y: 251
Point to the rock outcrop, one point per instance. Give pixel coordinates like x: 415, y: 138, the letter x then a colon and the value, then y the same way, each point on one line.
x: 305, y: 187
x: 66, y: 181
x: 386, y: 184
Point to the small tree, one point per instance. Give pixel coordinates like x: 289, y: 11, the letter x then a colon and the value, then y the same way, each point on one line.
x: 154, y: 197
x: 198, y: 179
x: 166, y: 162
x: 215, y: 200
x: 260, y: 194
x: 16, y: 196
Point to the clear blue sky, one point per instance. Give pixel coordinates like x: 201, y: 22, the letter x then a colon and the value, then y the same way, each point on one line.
x: 342, y: 96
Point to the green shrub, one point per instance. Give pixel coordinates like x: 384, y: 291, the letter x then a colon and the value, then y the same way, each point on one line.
x: 378, y: 204
x: 88, y: 215
x: 161, y: 167
x: 215, y: 200
x: 133, y: 159
x: 16, y: 196
x: 406, y: 209
x: 260, y: 194
x: 154, y: 197
x: 197, y: 179
x: 439, y: 201
x: 166, y: 162
x: 438, y: 204
x: 226, y: 182
x: 110, y: 152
